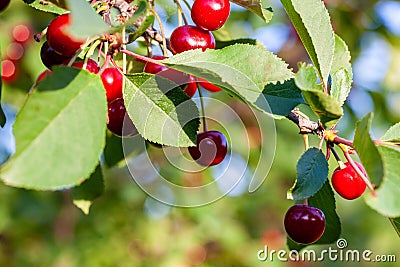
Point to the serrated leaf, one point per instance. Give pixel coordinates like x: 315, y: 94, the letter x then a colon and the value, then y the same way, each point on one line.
x: 341, y: 71
x: 393, y: 134
x: 2, y: 115
x: 117, y: 149
x: 387, y: 201
x: 161, y: 111
x: 84, y: 194
x: 367, y: 151
x: 396, y: 224
x: 324, y: 106
x: 59, y: 132
x: 282, y: 98
x: 242, y: 70
x: 82, y: 13
x: 312, y: 172
x: 260, y: 7
x: 221, y: 44
x: 312, y: 23
x: 324, y: 200
x: 47, y: 6
x: 306, y: 78
x: 145, y: 23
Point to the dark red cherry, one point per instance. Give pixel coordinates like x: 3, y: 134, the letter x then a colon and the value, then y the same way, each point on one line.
x: 9, y: 71
x: 119, y: 122
x: 112, y: 80
x: 177, y: 77
x: 189, y: 37
x: 209, y: 86
x: 91, y: 65
x: 304, y: 224
x: 43, y: 75
x: 211, y: 148
x: 58, y: 38
x: 4, y: 4
x: 210, y: 14
x: 347, y: 183
x: 191, y: 88
x: 50, y: 58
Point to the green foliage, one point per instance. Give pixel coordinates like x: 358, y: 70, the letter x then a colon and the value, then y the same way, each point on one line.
x: 367, y: 151
x: 393, y: 134
x: 312, y: 22
x: 63, y: 146
x: 312, y: 172
x: 306, y: 78
x: 396, y: 224
x: 283, y: 97
x: 260, y: 7
x: 387, y: 201
x: 90, y: 189
x: 47, y: 6
x: 167, y: 115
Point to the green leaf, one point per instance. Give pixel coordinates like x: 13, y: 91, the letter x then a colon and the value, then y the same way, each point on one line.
x: 59, y: 132
x: 242, y: 70
x: 82, y: 13
x: 396, y: 224
x: 367, y: 151
x: 260, y: 7
x: 341, y: 71
x: 311, y: 21
x: 324, y: 200
x: 161, y: 111
x: 387, y: 201
x: 324, y: 106
x: 90, y: 189
x: 282, y: 98
x: 145, y: 23
x: 312, y: 172
x: 2, y: 115
x: 306, y: 78
x: 47, y: 6
x: 221, y: 44
x: 393, y: 134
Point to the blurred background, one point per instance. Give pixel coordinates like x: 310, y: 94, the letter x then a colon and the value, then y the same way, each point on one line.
x: 125, y: 227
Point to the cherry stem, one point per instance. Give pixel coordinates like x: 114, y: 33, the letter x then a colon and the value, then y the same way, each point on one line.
x: 143, y: 58
x: 335, y: 154
x: 123, y: 47
x: 306, y: 143
x: 360, y: 173
x: 105, y: 65
x: 203, y: 112
x: 164, y: 41
x: 181, y: 15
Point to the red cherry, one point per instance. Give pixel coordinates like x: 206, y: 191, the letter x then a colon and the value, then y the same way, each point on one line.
x: 304, y: 224
x: 43, y: 75
x: 91, y: 65
x: 59, y: 39
x: 191, y: 88
x: 209, y: 86
x: 119, y: 122
x: 189, y: 37
x: 347, y: 183
x: 22, y: 34
x: 4, y: 4
x: 211, y: 148
x: 50, y: 58
x: 210, y: 14
x: 9, y: 71
x: 177, y: 77
x: 113, y: 81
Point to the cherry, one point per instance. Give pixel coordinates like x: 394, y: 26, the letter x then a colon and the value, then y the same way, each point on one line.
x: 211, y: 148
x: 189, y: 37
x: 304, y: 224
x: 4, y: 4
x: 22, y: 34
x: 59, y: 39
x: 209, y: 86
x: 210, y: 14
x: 112, y: 81
x: 347, y: 183
x: 91, y: 65
x: 43, y: 75
x: 9, y: 71
x: 119, y: 122
x: 50, y: 57
x: 177, y: 77
x: 191, y: 88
